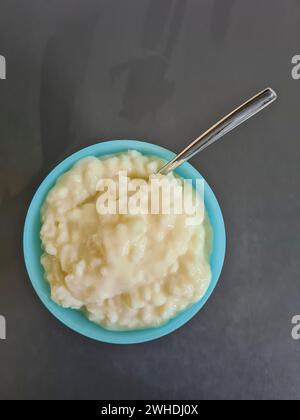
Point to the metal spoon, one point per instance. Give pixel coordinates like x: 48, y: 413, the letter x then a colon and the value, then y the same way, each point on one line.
x: 226, y: 124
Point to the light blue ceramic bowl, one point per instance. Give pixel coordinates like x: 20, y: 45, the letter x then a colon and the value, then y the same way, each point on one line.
x: 75, y: 319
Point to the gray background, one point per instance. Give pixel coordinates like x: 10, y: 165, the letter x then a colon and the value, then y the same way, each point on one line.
x: 80, y: 71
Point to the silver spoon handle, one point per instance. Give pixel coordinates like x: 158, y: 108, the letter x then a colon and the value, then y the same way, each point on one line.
x: 226, y: 124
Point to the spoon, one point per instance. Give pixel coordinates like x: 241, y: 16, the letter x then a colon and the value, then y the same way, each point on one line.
x: 222, y: 127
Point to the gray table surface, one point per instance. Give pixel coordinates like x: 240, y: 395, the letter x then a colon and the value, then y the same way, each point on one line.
x: 163, y: 71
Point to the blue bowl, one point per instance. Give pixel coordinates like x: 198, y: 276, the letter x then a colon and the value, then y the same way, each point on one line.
x: 74, y: 319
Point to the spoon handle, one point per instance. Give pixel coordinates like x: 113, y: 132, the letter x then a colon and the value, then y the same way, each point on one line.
x: 226, y: 124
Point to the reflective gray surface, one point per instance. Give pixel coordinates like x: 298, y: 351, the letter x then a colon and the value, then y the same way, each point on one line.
x: 163, y: 71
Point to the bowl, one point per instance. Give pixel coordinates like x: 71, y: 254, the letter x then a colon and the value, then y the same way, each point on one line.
x: 75, y: 319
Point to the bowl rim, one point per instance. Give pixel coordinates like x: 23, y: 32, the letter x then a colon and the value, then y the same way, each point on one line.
x: 34, y: 267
